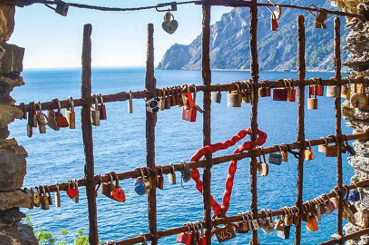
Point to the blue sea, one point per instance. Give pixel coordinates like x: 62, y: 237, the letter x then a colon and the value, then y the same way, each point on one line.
x: 119, y: 145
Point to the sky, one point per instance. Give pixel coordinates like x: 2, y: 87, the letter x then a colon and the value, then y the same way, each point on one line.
x: 118, y: 38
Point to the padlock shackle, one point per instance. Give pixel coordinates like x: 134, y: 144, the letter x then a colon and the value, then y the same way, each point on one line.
x: 100, y: 98
x: 56, y: 100
x: 71, y: 102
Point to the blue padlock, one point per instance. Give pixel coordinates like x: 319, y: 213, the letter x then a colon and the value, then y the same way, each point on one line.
x: 354, y: 196
x: 142, y: 185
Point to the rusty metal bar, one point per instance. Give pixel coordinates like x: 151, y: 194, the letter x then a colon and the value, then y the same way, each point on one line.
x: 123, y: 96
x: 300, y: 120
x: 206, y: 77
x: 347, y: 237
x: 217, y: 160
x: 337, y: 109
x: 151, y: 119
x: 254, y: 70
x: 87, y: 136
x: 219, y: 221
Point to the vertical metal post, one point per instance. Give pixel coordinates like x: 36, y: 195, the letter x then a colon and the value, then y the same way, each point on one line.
x: 337, y: 109
x: 151, y: 117
x: 254, y: 110
x: 206, y: 77
x: 300, y: 119
x: 87, y: 134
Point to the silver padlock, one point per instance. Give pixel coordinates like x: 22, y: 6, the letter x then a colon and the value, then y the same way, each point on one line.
x: 186, y: 172
x: 76, y: 198
x: 57, y: 196
x: 41, y: 119
x: 172, y: 175
x: 332, y: 91
x: 95, y: 112
x: 216, y: 96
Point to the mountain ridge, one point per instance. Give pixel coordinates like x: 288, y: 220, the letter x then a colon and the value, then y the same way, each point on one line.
x: 229, y: 43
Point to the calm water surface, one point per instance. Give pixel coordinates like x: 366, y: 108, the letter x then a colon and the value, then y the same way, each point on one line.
x: 119, y: 145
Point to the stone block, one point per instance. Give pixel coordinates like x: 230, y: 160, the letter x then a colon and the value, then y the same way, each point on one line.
x: 7, y: 28
x: 19, y: 234
x: 14, y: 199
x: 12, y: 61
x: 8, y: 114
x: 11, y: 216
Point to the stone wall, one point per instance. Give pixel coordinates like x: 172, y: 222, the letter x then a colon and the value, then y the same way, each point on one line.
x: 12, y: 155
x: 358, y: 45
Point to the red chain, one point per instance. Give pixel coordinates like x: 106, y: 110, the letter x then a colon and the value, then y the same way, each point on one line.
x: 248, y: 145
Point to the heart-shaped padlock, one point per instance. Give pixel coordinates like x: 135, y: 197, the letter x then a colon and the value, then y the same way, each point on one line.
x: 169, y: 25
x: 72, y: 191
x: 117, y: 193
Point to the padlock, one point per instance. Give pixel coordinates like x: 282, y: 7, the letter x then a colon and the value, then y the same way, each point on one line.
x: 61, y: 8
x: 225, y: 233
x: 72, y: 191
x: 359, y: 101
x: 354, y: 196
x: 117, y: 193
x: 186, y: 172
x: 29, y: 130
x: 173, y: 101
x: 351, y: 209
x: 273, y: 23
x: 275, y: 158
x: 142, y: 184
x: 61, y: 121
x: 254, y: 222
x: 44, y: 199
x: 329, y: 206
x: 36, y: 196
x: 107, y: 187
x: 332, y: 91
x: 153, y: 104
x: 22, y: 106
x: 70, y: 114
x: 75, y: 184
x: 51, y: 121
x: 234, y: 98
x: 267, y: 224
x: 216, y: 96
x: 331, y: 151
x: 345, y: 92
x: 280, y: 94
x: 30, y: 196
x: 318, y: 213
x: 160, y: 178
x: 189, y: 112
x: 320, y: 19
x: 57, y: 196
x: 185, y: 237
x: 95, y: 112
x: 262, y: 91
x: 242, y: 226
x: 172, y: 175
x: 130, y: 102
x: 168, y: 98
x: 285, y: 234
x: 247, y: 92
x: 312, y: 224
x: 179, y: 96
x: 162, y: 100
x: 283, y: 152
x: 102, y: 107
x: 41, y: 119
x: 144, y: 242
x: 46, y: 188
x: 263, y: 168
x: 309, y: 153
x: 291, y: 92
x: 278, y: 224
x: 348, y: 148
x: 312, y: 103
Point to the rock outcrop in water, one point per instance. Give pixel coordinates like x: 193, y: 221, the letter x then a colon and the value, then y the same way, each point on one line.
x: 276, y: 50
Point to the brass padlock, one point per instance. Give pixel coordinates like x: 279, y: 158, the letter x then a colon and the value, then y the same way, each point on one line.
x: 234, y: 98
x: 107, y: 187
x: 30, y: 195
x: 48, y: 194
x: 70, y: 114
x: 179, y: 96
x: 57, y: 196
x: 269, y: 225
x: 284, y: 152
x: 162, y: 100
x: 130, y: 102
x: 278, y: 224
x: 216, y: 96
x: 41, y: 119
x: 174, y: 101
x: 168, y: 98
x: 247, y: 92
x: 44, y: 199
x: 225, y: 233
x: 309, y: 153
x: 242, y: 226
x: 95, y: 112
x: 75, y: 184
x: 160, y: 178
x: 346, y: 91
x: 312, y: 103
x: 36, y: 196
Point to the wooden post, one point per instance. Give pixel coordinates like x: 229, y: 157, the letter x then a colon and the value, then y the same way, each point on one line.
x: 300, y: 120
x: 150, y: 85
x: 254, y: 110
x: 337, y: 109
x: 206, y: 77
x: 87, y: 134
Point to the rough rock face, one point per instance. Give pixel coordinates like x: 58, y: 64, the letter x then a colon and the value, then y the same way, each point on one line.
x: 276, y: 50
x: 12, y: 156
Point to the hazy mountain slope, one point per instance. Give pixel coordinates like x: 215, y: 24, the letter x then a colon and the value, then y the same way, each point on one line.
x: 276, y: 50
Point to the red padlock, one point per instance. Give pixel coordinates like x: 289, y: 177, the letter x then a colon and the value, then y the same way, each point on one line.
x: 190, y: 110
x: 280, y: 94
x: 319, y: 89
x: 59, y: 118
x: 72, y: 190
x: 273, y: 23
x: 184, y: 238
x: 202, y: 241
